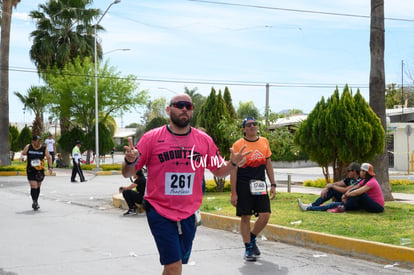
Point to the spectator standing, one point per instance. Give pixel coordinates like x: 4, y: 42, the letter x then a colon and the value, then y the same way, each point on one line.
x: 77, y: 159
x: 35, y: 160
x: 249, y: 192
x: 176, y: 156
x: 51, y: 147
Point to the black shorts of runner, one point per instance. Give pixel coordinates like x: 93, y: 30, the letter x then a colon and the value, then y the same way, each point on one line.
x: 248, y: 204
x: 36, y: 175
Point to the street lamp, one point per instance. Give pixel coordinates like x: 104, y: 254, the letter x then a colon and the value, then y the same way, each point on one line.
x: 115, y: 50
x: 96, y: 89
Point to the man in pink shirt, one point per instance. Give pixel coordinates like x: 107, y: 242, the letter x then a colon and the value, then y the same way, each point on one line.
x: 176, y: 156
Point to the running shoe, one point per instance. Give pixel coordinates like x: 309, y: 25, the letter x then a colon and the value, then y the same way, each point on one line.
x: 302, y: 206
x: 339, y: 209
x: 130, y: 212
x: 256, y: 251
x: 35, y: 206
x: 249, y: 255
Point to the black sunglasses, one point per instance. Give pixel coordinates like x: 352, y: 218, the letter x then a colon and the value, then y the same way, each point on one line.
x: 250, y: 124
x: 182, y: 104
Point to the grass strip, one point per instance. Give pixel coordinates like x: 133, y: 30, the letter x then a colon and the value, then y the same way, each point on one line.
x: 393, y: 226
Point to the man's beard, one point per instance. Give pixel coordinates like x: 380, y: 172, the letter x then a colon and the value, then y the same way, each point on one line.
x: 180, y: 122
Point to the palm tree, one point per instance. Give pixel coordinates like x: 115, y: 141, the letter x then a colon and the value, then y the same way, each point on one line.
x: 6, y: 12
x: 64, y: 31
x: 377, y: 88
x: 198, y: 100
x: 36, y: 102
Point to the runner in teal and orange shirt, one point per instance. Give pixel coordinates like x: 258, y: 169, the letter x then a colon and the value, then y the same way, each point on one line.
x: 249, y: 191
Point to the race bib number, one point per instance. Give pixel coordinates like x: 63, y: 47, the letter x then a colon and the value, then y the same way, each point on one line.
x: 35, y: 162
x: 258, y: 187
x: 179, y: 184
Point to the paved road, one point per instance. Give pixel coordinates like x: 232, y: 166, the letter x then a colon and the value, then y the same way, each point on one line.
x: 77, y: 231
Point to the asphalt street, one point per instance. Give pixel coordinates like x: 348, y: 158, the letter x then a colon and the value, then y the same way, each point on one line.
x: 78, y: 231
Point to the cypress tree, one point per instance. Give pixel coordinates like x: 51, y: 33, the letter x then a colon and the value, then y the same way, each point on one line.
x: 229, y: 103
x: 341, y: 130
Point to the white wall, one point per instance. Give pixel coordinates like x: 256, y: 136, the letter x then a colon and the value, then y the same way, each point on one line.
x: 403, y: 147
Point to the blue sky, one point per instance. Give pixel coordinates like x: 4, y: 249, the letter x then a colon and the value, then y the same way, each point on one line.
x: 178, y: 43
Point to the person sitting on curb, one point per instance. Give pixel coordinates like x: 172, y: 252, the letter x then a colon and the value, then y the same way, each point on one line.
x: 59, y: 161
x: 337, y: 189
x: 134, y: 193
x: 367, y: 195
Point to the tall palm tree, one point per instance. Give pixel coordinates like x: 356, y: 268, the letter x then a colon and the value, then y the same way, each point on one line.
x: 64, y: 31
x: 377, y: 88
x: 6, y: 12
x: 198, y: 100
x: 35, y: 101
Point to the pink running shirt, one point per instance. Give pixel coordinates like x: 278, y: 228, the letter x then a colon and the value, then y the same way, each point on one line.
x: 176, y: 166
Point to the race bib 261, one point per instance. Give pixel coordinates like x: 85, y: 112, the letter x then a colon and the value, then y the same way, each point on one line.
x: 179, y: 184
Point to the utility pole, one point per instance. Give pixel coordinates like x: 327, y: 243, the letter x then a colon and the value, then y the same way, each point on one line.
x: 267, y: 106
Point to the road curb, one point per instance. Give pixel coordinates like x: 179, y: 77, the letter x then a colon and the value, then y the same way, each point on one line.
x: 118, y: 201
x: 361, y: 249
x: 108, y: 173
x: 23, y: 173
x: 20, y: 173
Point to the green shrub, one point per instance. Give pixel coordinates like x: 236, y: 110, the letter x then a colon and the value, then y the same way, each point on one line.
x: 13, y: 168
x: 401, y: 182
x: 211, y: 186
x: 105, y: 167
x: 321, y: 183
x: 110, y: 167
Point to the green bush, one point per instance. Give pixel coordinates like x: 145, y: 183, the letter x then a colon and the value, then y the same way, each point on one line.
x: 105, y: 167
x: 211, y: 186
x: 13, y: 168
x: 401, y: 182
x: 321, y: 183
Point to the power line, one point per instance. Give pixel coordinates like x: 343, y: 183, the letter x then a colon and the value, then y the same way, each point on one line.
x: 209, y: 81
x: 299, y: 10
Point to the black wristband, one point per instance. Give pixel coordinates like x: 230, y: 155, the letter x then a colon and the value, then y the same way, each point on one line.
x: 128, y: 163
x: 273, y: 185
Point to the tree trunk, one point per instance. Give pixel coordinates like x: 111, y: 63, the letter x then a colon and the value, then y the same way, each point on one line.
x: 377, y: 89
x: 220, y: 183
x: 325, y: 171
x: 64, y: 128
x: 4, y: 81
